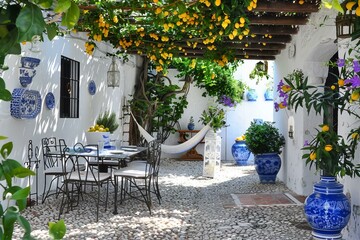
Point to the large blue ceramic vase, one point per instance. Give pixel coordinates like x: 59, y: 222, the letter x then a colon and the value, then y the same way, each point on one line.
x: 327, y: 209
x: 267, y: 166
x: 240, y: 152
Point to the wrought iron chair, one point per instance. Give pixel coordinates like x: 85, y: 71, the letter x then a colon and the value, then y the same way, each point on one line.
x: 33, y: 163
x: 155, y: 178
x: 136, y: 179
x: 52, y: 166
x: 76, y: 182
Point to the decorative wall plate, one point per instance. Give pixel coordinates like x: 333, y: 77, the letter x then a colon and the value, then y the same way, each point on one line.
x: 25, y: 104
x: 92, y: 87
x: 29, y: 62
x: 50, y: 100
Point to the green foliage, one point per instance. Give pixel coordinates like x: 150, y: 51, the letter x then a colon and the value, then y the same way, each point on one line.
x: 191, y: 120
x: 154, y: 28
x: 57, y: 230
x: 258, y: 74
x: 327, y: 151
x: 264, y: 138
x: 215, y: 116
x: 20, y: 20
x: 217, y: 81
x: 10, y: 169
x: 108, y: 120
x: 160, y: 105
x: 11, y: 215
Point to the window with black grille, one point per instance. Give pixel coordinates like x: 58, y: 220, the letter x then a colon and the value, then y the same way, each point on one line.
x: 69, y: 90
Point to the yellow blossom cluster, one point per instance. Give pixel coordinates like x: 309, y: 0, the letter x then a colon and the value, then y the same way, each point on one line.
x: 140, y: 36
x: 125, y: 44
x: 89, y: 48
x: 223, y: 61
x: 252, y: 5
x: 241, y: 138
x: 167, y: 26
x: 350, y: 5
x: 103, y: 26
x: 206, y: 2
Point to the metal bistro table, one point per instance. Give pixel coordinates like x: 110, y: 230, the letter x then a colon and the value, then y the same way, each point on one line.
x: 111, y: 156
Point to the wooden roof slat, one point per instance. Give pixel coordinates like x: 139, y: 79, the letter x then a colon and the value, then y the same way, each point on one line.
x: 273, y: 30
x: 262, y: 39
x: 290, y: 7
x: 282, y: 20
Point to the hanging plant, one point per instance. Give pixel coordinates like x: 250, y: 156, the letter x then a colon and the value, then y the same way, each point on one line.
x: 259, y: 72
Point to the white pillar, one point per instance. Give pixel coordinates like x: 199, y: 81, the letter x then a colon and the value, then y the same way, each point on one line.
x: 212, y: 154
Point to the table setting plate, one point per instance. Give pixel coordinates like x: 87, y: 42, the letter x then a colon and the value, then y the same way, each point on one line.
x: 116, y: 152
x: 127, y: 149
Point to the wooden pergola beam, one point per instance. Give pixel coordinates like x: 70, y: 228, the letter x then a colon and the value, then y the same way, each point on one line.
x: 283, y: 20
x: 273, y: 30
x: 263, y: 39
x: 287, y: 7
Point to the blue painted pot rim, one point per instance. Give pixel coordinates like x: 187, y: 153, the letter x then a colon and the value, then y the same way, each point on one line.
x: 266, y: 154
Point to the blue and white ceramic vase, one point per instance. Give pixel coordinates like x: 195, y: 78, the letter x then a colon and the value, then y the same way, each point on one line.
x: 327, y: 209
x: 269, y: 95
x: 251, y: 95
x: 191, y: 126
x: 240, y: 152
x: 267, y: 166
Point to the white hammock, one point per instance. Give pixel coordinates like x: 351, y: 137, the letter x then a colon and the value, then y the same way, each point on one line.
x: 180, y: 148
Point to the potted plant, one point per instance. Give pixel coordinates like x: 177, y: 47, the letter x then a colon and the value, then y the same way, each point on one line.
x: 215, y: 117
x: 265, y: 141
x: 191, y: 124
x: 327, y: 151
x: 105, y: 124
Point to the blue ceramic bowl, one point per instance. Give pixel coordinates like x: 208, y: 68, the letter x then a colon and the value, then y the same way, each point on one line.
x: 24, y: 81
x: 29, y: 62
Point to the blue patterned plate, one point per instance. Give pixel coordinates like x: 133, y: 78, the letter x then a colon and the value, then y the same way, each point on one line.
x: 92, y: 87
x: 25, y: 103
x: 50, y: 100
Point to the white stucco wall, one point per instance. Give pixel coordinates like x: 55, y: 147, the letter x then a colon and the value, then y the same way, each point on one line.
x: 47, y: 79
x: 315, y: 44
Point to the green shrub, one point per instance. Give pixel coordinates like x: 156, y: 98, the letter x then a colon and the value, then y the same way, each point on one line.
x: 264, y: 138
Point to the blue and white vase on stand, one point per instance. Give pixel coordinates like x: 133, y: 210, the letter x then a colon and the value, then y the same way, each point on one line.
x: 327, y: 209
x: 240, y: 153
x: 267, y: 165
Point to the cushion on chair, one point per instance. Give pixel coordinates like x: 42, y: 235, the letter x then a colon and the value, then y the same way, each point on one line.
x: 56, y: 170
x: 134, y: 170
x: 75, y: 176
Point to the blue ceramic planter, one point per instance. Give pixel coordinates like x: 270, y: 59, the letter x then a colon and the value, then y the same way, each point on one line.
x: 267, y: 166
x: 251, y: 95
x: 191, y: 126
x: 240, y: 152
x: 327, y: 209
x: 269, y: 95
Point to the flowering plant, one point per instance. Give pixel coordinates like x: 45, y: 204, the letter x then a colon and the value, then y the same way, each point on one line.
x: 328, y: 151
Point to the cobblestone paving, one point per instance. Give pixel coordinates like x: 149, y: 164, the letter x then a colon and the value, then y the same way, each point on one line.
x: 193, y: 207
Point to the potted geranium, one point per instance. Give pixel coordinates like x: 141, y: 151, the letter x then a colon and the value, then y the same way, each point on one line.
x: 265, y: 141
x: 328, y: 151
